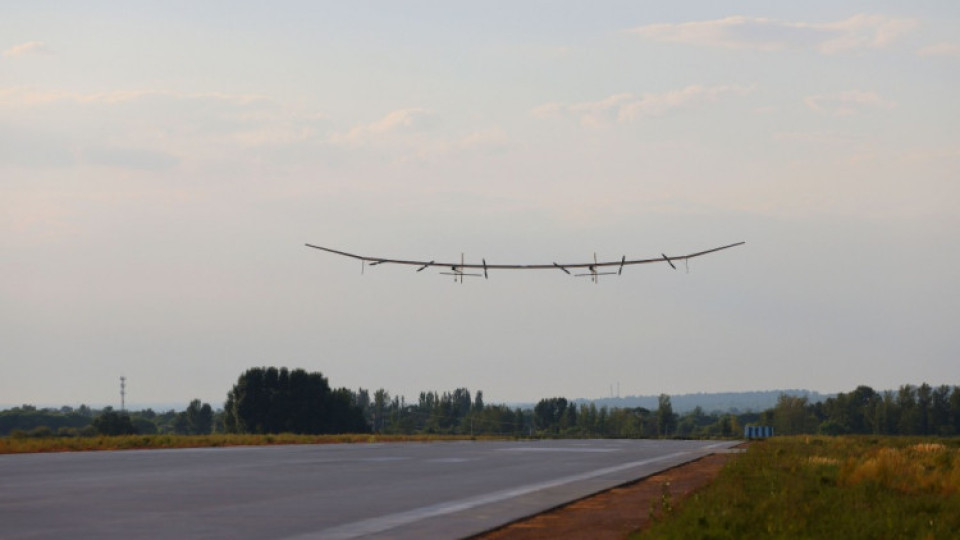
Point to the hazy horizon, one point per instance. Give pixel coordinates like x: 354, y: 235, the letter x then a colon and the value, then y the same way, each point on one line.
x: 410, y: 400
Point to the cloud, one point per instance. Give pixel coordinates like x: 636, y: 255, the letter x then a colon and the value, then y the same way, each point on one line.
x: 847, y: 103
x: 393, y: 122
x: 33, y: 146
x: 739, y: 32
x: 277, y: 134
x: 657, y: 104
x: 26, y: 96
x: 28, y: 48
x: 493, y: 138
x: 593, y: 113
x: 818, y: 138
x: 131, y: 158
x: 865, y: 32
x: 52, y: 127
x: 941, y: 49
x: 627, y: 108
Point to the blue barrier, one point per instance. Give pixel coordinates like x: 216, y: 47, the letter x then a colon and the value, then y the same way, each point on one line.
x: 757, y: 432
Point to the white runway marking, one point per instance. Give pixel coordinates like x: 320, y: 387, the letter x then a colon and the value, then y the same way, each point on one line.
x: 383, y: 523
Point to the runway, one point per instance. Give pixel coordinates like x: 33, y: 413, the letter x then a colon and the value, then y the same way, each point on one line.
x: 340, y: 491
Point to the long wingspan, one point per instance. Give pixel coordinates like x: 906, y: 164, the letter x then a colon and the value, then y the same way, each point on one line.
x: 458, y: 267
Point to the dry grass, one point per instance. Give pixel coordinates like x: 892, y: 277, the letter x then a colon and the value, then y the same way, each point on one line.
x: 820, y: 460
x: 9, y: 445
x: 920, y: 468
x: 828, y: 487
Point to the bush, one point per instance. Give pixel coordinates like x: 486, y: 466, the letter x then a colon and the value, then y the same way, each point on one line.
x: 41, y: 431
x: 114, y: 423
x: 144, y: 426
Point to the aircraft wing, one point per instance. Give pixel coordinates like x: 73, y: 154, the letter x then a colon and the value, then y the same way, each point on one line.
x: 459, y: 266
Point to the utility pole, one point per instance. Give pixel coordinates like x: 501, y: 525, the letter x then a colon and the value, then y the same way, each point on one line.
x: 123, y: 393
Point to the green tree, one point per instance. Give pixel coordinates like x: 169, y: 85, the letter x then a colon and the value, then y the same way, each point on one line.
x: 940, y: 411
x: 271, y: 400
x: 909, y: 419
x: 792, y: 415
x: 587, y: 420
x: 519, y: 420
x: 888, y: 413
x: 381, y: 399
x: 111, y: 422
x: 954, y: 415
x: 197, y: 419
x: 924, y: 404
x: 666, y: 419
x: 569, y: 421
x: 143, y: 425
x: 342, y: 415
x: 462, y: 402
x: 548, y: 412
x: 362, y: 399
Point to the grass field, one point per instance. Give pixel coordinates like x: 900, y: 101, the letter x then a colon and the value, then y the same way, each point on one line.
x: 14, y: 445
x: 825, y: 487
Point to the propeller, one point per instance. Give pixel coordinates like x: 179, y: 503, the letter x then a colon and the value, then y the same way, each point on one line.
x: 668, y: 261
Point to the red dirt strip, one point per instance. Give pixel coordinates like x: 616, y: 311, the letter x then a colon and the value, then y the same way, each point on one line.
x: 615, y: 513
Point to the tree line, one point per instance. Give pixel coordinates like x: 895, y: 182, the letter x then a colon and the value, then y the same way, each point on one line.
x: 910, y: 410
x: 29, y: 421
x: 276, y: 400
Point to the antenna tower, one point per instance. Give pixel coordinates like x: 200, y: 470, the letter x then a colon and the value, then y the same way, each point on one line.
x: 123, y: 393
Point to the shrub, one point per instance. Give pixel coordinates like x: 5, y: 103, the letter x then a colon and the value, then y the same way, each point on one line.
x: 40, y: 432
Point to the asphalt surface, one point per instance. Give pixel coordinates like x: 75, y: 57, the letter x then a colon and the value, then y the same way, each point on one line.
x: 396, y: 490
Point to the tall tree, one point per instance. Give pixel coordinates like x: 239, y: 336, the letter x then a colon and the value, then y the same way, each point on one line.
x: 792, y: 416
x: 909, y: 420
x: 198, y: 418
x: 381, y: 398
x: 889, y: 413
x: 110, y: 422
x: 940, y: 410
x: 548, y: 412
x: 955, y: 411
x: 666, y: 419
x: 271, y: 400
x: 924, y: 403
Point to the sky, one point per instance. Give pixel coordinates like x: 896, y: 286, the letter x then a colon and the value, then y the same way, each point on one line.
x: 162, y: 165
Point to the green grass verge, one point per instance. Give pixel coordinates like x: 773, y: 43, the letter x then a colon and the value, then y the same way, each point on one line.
x: 12, y: 445
x: 824, y: 487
